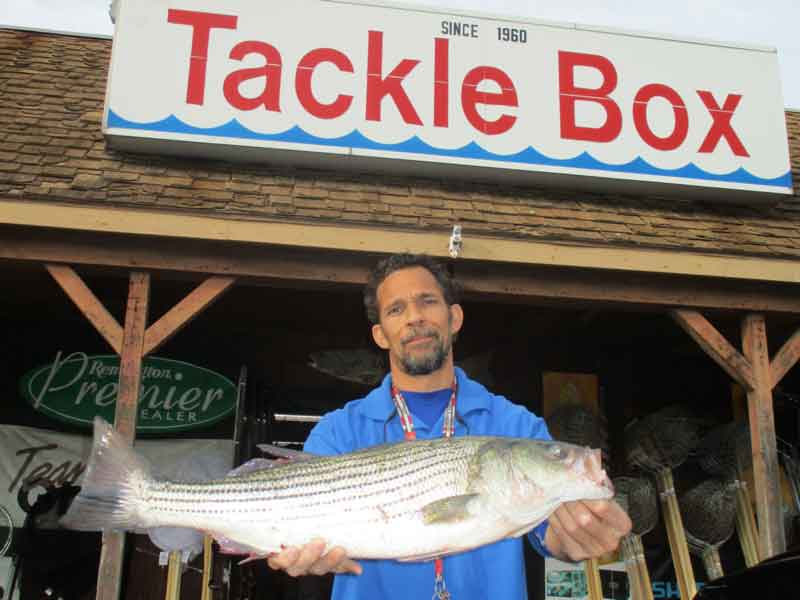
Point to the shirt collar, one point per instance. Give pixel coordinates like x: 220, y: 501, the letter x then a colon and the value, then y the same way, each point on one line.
x: 472, y: 396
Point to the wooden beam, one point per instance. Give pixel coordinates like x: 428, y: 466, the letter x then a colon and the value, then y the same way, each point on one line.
x: 130, y: 375
x: 716, y: 346
x: 183, y: 312
x: 785, y: 359
x: 276, y: 265
x: 88, y: 304
x: 772, y: 538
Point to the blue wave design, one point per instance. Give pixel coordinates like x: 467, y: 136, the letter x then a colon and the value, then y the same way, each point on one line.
x: 414, y: 145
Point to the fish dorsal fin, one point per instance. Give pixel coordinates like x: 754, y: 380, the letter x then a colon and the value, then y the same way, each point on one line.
x: 253, y: 465
x: 285, y: 453
x: 451, y: 509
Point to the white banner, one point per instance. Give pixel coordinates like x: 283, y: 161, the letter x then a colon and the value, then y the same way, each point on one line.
x: 27, y: 454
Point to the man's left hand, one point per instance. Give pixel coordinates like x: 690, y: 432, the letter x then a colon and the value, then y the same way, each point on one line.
x: 586, y: 529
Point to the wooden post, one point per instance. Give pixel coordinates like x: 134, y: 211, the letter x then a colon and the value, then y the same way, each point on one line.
x: 130, y: 373
x: 676, y: 534
x: 594, y: 584
x: 758, y: 376
x: 174, y: 574
x: 208, y: 557
x: 772, y: 539
x: 132, y: 343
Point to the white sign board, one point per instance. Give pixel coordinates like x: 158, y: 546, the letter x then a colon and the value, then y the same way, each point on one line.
x: 418, y: 91
x: 29, y: 454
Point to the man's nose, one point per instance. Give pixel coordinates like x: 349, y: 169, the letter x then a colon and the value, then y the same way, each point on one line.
x: 415, y: 314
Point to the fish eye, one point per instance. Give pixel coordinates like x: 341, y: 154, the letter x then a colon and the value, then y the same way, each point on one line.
x: 556, y: 452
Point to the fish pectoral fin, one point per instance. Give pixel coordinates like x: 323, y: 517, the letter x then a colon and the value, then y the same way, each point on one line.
x: 450, y: 510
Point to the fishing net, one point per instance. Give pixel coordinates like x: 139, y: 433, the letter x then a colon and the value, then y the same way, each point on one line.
x: 662, y: 440
x: 575, y: 424
x: 637, y: 496
x: 709, y: 513
x: 725, y: 451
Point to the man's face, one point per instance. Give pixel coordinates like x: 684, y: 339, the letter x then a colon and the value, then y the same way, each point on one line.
x: 415, y: 324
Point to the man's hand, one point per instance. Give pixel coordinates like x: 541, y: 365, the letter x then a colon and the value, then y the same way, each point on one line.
x: 311, y: 559
x: 586, y: 529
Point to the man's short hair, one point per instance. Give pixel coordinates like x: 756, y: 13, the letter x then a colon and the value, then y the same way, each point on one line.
x: 396, y: 262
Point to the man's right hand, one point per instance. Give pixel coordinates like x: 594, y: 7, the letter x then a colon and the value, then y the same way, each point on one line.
x: 312, y: 559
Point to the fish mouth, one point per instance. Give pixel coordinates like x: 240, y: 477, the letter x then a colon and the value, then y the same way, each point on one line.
x: 593, y: 468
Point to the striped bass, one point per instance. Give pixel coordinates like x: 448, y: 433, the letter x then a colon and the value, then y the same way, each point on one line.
x: 407, y: 501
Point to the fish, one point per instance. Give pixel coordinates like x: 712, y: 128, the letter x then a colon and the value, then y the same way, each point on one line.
x: 356, y: 365
x: 408, y: 501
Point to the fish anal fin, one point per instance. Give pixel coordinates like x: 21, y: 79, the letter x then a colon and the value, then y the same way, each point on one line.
x: 450, y: 510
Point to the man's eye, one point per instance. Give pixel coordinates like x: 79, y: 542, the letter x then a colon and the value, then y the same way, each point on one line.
x: 394, y: 310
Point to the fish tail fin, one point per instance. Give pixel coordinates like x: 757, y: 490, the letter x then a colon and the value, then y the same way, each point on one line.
x: 113, y: 486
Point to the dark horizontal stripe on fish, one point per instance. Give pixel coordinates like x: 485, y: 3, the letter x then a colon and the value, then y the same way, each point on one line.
x: 336, y: 487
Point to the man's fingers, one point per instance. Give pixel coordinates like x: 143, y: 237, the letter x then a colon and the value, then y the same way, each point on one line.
x: 284, y: 559
x: 349, y: 566
x: 310, y: 560
x: 612, y: 515
x: 585, y: 528
x: 309, y: 554
x: 568, y: 544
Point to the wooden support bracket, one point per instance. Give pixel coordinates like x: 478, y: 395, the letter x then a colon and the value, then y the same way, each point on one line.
x: 716, y: 346
x: 183, y: 312
x: 785, y: 359
x: 88, y: 304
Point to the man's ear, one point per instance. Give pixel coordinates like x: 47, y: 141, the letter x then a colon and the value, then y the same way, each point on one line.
x: 379, y: 337
x: 456, y: 317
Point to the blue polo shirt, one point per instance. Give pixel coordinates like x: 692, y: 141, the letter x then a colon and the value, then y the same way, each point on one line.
x: 492, y: 572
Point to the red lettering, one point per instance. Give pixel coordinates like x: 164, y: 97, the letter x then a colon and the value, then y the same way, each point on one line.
x: 305, y: 70
x: 679, y: 131
x: 271, y: 72
x: 569, y: 94
x: 201, y: 23
x: 721, y: 123
x: 441, y: 82
x: 391, y: 85
x: 471, y: 97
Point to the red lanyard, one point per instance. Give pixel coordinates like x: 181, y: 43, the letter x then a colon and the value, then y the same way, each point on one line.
x: 448, y: 430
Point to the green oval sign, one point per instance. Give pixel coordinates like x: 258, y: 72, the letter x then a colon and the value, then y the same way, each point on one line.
x: 175, y: 396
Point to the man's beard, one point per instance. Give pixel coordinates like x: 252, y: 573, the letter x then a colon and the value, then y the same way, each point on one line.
x: 430, y: 361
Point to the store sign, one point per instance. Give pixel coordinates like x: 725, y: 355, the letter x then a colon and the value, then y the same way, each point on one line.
x: 426, y: 92
x: 175, y: 396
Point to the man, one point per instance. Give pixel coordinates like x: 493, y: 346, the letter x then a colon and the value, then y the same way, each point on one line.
x: 412, y: 304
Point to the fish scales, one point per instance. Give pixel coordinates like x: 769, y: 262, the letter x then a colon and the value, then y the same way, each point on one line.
x: 300, y: 491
